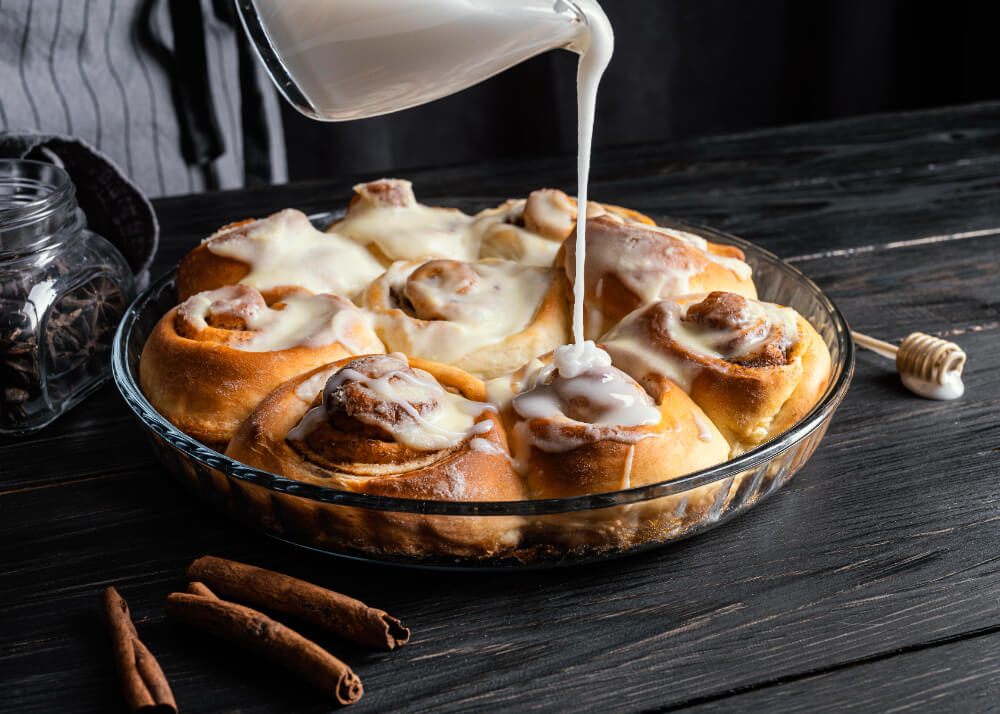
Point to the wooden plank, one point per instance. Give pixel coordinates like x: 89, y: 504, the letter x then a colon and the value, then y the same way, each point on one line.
x: 953, y: 676
x: 795, y: 190
x: 887, y: 539
x: 95, y: 439
x: 887, y: 293
x: 949, y: 287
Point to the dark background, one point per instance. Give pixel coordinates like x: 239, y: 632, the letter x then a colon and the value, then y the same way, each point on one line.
x: 686, y: 68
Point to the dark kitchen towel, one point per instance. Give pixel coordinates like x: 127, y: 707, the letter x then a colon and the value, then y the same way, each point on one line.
x: 114, y: 206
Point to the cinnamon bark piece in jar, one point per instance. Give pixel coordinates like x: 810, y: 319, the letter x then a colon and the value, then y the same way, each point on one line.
x: 63, y: 290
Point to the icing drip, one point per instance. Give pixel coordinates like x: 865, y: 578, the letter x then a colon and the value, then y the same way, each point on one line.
x: 286, y: 250
x: 704, y: 430
x: 595, y: 55
x: 298, y: 320
x: 307, y: 390
x: 738, y: 267
x: 580, y: 388
x: 627, y: 470
x: 651, y: 263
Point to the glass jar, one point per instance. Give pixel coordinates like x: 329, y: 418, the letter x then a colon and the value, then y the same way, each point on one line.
x: 63, y: 290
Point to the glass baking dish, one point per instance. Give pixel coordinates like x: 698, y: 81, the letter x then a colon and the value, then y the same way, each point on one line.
x: 496, y: 534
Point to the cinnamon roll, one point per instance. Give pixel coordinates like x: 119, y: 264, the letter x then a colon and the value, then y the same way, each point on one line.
x: 630, y: 265
x: 213, y: 357
x: 531, y: 230
x: 389, y: 425
x: 488, y: 317
x: 385, y: 217
x: 580, y: 425
x: 754, y: 367
x: 274, y: 254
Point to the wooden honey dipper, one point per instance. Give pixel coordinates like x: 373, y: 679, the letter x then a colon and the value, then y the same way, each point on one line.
x: 928, y: 366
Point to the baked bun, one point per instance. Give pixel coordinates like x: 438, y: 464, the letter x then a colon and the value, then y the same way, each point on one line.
x: 629, y: 265
x: 274, y: 254
x: 213, y: 357
x: 531, y: 230
x: 754, y: 367
x: 579, y: 425
x: 385, y: 217
x: 386, y: 425
x: 488, y: 317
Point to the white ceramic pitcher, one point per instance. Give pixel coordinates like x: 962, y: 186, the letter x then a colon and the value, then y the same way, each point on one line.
x: 337, y: 60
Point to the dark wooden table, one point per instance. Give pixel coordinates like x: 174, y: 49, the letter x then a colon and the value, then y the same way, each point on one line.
x: 871, y: 582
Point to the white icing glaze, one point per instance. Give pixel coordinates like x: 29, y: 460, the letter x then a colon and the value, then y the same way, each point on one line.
x: 450, y: 422
x: 500, y: 303
x: 636, y: 354
x: 596, y: 51
x: 499, y: 236
x: 649, y: 267
x: 627, y: 469
x: 950, y: 387
x: 739, y: 268
x: 500, y: 392
x: 629, y: 343
x: 286, y: 250
x: 307, y: 390
x: 298, y: 320
x: 704, y: 430
x: 485, y: 446
x: 409, y: 231
x: 582, y: 374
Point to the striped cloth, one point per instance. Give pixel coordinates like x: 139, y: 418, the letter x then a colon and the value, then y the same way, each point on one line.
x: 177, y: 116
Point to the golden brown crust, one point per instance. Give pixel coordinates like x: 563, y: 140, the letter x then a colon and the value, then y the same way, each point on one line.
x: 685, y: 440
x: 202, y: 270
x: 205, y: 386
x: 460, y: 473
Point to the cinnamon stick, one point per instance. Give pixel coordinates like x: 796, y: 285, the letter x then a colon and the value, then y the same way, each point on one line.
x: 144, y: 685
x: 259, y: 633
x: 330, y: 610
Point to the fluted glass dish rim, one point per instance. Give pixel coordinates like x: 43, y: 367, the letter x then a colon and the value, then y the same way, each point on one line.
x: 126, y: 379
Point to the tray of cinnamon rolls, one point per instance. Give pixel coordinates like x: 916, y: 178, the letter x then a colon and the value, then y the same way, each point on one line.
x: 410, y: 382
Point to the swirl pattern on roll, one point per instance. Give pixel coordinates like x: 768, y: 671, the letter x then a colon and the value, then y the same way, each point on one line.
x: 754, y: 367
x: 274, y: 254
x: 213, y: 357
x: 488, y: 317
x: 384, y: 424
x: 580, y: 425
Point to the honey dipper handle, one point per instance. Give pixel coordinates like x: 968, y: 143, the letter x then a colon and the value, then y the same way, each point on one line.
x: 878, y: 346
